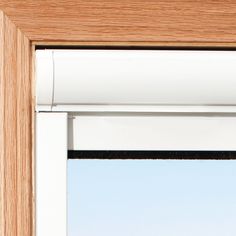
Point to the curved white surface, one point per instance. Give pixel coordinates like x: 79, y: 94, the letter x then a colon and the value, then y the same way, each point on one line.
x: 44, y: 78
x: 142, y: 77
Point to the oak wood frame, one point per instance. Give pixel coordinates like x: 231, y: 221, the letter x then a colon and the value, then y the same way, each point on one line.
x: 130, y: 24
x: 16, y: 201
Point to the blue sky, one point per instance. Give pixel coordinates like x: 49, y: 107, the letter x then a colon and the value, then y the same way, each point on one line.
x: 151, y: 198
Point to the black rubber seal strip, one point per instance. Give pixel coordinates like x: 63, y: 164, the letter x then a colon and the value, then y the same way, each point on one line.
x: 179, y: 155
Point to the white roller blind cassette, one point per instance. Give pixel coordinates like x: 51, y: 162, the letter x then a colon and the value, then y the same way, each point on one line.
x: 141, y: 99
x: 141, y: 79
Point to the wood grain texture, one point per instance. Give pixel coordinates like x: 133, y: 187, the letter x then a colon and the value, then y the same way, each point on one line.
x: 125, y: 20
x: 2, y: 227
x: 24, y: 137
x: 15, y: 132
x: 80, y: 22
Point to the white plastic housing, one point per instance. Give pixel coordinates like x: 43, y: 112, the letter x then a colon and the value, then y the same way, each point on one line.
x: 44, y: 78
x: 68, y: 78
x: 152, y: 132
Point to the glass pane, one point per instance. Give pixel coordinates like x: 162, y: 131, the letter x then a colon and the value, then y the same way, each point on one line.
x: 151, y: 198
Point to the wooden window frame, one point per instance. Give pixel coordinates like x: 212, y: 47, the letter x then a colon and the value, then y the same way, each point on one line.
x: 38, y: 23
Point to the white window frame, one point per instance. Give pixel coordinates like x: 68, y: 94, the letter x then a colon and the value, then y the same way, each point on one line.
x: 71, y: 115
x: 51, y: 149
x: 52, y: 129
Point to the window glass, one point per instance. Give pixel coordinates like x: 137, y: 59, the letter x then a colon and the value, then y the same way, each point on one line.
x: 151, y: 198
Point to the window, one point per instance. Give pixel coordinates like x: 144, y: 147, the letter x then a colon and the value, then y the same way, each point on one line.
x: 151, y: 197
x: 135, y: 105
x: 196, y: 196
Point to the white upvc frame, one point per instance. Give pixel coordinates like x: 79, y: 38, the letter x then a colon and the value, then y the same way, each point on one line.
x: 51, y: 165
x: 55, y: 129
